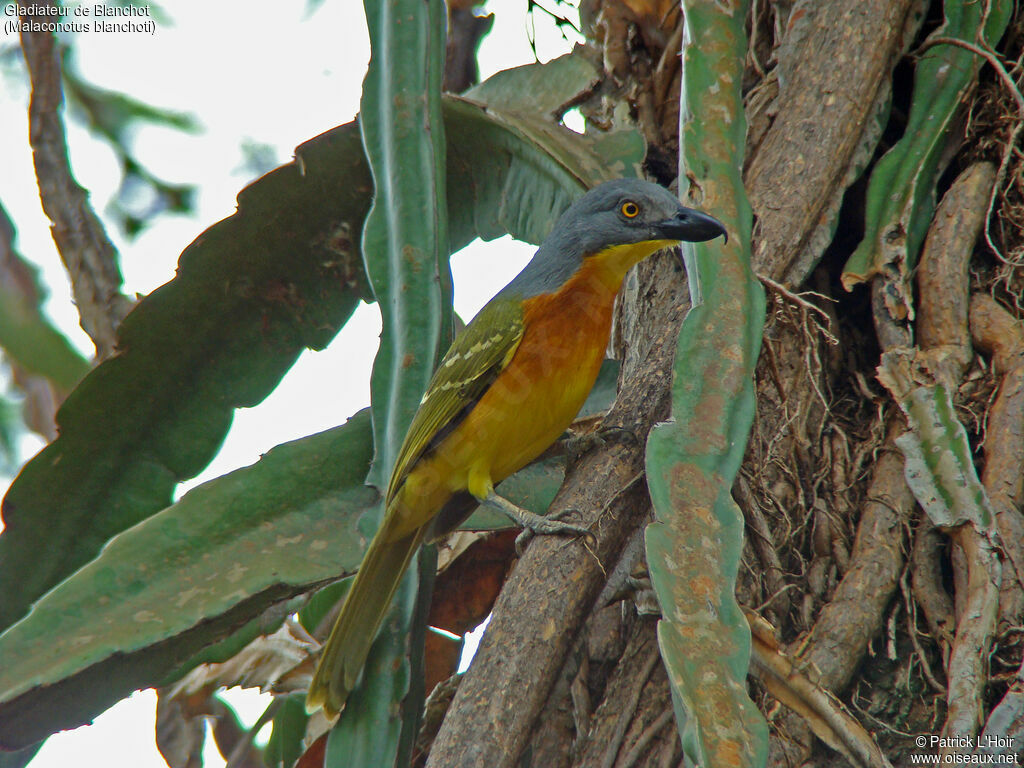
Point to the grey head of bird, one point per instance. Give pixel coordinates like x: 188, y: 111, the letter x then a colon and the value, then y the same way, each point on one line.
x: 620, y: 212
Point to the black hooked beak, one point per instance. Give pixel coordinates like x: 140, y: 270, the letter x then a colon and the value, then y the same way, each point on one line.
x: 691, y: 226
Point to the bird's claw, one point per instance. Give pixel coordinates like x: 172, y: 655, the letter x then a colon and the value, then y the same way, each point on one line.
x: 552, y: 524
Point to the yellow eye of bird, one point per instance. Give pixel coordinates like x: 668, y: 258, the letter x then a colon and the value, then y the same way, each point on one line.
x: 630, y: 209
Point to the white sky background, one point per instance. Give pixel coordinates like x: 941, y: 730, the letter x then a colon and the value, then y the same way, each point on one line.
x: 274, y: 74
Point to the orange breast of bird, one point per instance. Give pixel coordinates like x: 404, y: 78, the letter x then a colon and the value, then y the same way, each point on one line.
x: 541, y: 390
x: 553, y: 370
x: 535, y: 397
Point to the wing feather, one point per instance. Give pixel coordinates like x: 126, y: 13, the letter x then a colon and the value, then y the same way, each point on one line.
x: 470, y: 366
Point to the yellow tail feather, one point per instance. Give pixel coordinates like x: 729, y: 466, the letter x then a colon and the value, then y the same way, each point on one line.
x: 367, y: 601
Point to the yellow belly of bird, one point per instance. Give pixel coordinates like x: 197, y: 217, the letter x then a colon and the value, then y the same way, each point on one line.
x: 529, y: 404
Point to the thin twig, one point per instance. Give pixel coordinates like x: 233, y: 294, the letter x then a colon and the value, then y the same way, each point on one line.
x: 797, y: 298
x: 880, y: 723
x: 672, y: 53
x: 770, y: 600
x: 908, y: 603
x: 1004, y: 165
x: 752, y: 43
x: 990, y: 56
x: 88, y: 255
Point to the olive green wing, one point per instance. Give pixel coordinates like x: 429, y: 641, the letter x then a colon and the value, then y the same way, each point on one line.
x: 470, y: 366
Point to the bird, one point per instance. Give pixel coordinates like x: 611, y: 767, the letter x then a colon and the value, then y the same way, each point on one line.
x: 510, y: 384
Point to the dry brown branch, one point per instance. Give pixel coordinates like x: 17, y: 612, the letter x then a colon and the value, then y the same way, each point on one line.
x: 856, y: 612
x: 798, y: 299
x: 434, y: 710
x: 942, y: 274
x: 944, y: 354
x: 968, y: 660
x: 996, y: 332
x: 88, y: 255
x: 668, y: 65
x: 821, y: 711
x: 999, y: 334
x: 465, y: 31
x: 537, y: 614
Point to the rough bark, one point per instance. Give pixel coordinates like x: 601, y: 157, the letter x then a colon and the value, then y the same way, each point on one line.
x: 833, y: 79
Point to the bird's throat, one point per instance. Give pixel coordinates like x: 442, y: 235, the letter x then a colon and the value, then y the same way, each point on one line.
x: 615, y: 261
